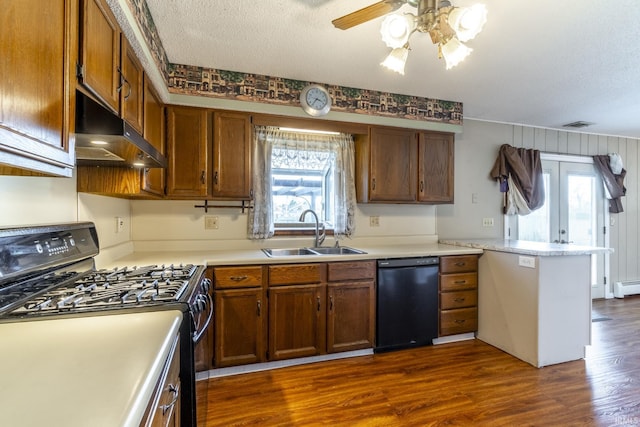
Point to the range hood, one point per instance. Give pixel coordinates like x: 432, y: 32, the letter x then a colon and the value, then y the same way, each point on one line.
x: 104, y: 139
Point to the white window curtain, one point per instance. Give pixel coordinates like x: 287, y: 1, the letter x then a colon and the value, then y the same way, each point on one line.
x: 288, y: 145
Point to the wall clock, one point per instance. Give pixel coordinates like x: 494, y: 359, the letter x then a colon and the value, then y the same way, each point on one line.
x: 315, y: 100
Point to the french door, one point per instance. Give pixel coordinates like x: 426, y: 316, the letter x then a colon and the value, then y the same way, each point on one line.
x: 573, y: 212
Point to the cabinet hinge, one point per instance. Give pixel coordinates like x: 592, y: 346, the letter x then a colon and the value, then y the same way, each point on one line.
x: 79, y: 71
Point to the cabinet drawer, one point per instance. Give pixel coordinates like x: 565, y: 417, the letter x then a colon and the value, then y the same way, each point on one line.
x: 458, y: 321
x: 449, y: 300
x: 237, y: 277
x: 297, y: 274
x: 458, y: 264
x: 359, y: 270
x: 454, y: 282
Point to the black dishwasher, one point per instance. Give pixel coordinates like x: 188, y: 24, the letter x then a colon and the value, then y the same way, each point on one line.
x: 407, y: 303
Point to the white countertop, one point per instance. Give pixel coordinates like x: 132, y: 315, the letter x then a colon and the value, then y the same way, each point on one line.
x: 83, y: 371
x: 526, y: 248
x: 256, y: 256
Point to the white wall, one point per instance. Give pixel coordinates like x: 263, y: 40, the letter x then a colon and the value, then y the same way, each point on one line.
x: 177, y: 224
x: 37, y: 200
x: 476, y: 150
x: 43, y: 200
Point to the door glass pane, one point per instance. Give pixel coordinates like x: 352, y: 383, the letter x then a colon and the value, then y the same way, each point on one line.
x: 535, y: 226
x: 582, y: 210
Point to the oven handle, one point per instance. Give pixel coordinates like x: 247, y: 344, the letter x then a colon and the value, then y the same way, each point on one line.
x: 201, y: 332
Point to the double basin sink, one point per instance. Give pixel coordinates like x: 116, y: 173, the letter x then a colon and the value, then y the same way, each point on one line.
x: 343, y: 250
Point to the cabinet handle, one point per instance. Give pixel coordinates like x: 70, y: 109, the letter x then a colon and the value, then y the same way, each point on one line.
x: 238, y: 278
x: 459, y: 299
x: 422, y: 186
x: 373, y: 184
x: 331, y: 303
x: 215, y: 178
x: 460, y: 264
x: 460, y: 321
x: 460, y: 282
x: 172, y: 389
x: 259, y: 308
x: 123, y: 81
x: 318, y: 300
x: 202, y: 177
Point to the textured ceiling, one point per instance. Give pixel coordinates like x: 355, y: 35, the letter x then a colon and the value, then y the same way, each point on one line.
x: 537, y: 62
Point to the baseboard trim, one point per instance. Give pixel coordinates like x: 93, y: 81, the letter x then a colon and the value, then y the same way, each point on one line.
x: 257, y: 367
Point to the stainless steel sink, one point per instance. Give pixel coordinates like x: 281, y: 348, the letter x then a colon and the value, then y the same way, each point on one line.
x: 344, y: 250
x: 289, y: 252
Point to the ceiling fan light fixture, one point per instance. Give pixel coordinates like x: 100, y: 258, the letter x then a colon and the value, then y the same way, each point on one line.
x: 396, y: 29
x: 397, y: 59
x: 453, y: 52
x: 467, y: 22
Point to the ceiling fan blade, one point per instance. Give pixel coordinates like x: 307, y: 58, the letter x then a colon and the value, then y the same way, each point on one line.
x: 368, y: 13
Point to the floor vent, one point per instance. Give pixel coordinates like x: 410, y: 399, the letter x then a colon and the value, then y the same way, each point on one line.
x: 578, y: 124
x: 630, y: 287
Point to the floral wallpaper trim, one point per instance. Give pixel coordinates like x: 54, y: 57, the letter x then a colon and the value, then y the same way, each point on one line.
x: 211, y: 82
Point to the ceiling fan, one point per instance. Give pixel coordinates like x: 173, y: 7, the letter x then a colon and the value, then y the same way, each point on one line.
x: 447, y: 25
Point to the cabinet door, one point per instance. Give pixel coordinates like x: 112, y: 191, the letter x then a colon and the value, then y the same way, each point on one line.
x: 239, y: 326
x: 296, y: 321
x: 350, y: 316
x: 153, y: 112
x: 393, y: 167
x: 232, y: 155
x: 188, y: 151
x: 100, y: 52
x: 436, y: 167
x: 131, y: 93
x: 36, y: 88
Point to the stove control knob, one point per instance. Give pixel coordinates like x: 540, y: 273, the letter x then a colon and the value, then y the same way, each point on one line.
x: 206, y: 285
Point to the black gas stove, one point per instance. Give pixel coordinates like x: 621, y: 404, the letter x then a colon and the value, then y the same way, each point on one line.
x: 48, y: 271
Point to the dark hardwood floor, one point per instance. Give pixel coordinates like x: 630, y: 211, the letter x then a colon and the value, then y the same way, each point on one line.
x: 458, y: 384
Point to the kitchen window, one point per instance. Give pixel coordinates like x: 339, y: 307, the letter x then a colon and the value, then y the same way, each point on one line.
x: 297, y: 170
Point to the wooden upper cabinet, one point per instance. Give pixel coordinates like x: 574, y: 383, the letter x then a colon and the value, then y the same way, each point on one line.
x: 37, y: 109
x: 231, y: 155
x: 153, y: 179
x: 404, y: 166
x: 132, y: 90
x: 188, y: 152
x: 392, y: 166
x: 99, y: 57
x: 436, y: 167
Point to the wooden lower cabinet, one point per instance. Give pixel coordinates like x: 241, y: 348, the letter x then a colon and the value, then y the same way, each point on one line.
x: 285, y: 311
x: 240, y: 315
x: 164, y: 408
x: 239, y: 326
x: 350, y: 316
x: 351, y: 305
x: 458, y: 294
x: 296, y: 321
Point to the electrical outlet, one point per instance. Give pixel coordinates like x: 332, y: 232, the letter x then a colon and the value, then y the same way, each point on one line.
x: 119, y: 224
x: 527, y: 261
x: 374, y: 221
x: 210, y: 222
x: 487, y: 222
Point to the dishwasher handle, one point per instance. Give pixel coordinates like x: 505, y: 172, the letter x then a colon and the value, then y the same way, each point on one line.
x: 408, y: 262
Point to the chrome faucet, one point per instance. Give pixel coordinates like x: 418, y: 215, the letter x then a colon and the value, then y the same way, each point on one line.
x: 319, y: 237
